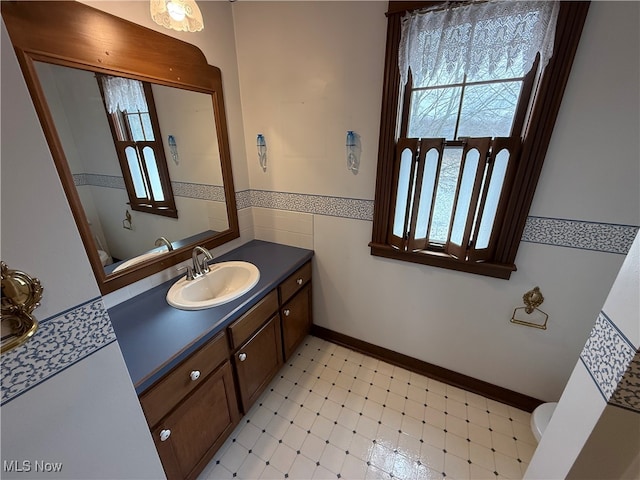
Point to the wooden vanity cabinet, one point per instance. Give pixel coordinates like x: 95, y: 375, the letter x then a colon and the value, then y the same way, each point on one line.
x: 257, y: 349
x: 189, y: 436
x: 295, y: 301
x: 193, y: 409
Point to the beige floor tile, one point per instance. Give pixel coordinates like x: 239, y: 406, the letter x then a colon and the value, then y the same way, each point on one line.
x: 334, y: 413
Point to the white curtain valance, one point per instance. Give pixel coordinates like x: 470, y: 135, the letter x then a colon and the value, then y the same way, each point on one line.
x: 123, y: 94
x: 481, y: 40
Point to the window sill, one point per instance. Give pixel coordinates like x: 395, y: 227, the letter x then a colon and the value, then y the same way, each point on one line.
x: 164, y: 211
x: 442, y: 260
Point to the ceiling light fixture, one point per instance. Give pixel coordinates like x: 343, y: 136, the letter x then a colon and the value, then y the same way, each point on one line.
x: 180, y: 15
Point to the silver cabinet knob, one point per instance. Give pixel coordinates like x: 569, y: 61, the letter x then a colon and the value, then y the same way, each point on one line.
x: 299, y: 281
x: 194, y: 375
x: 287, y: 312
x: 164, y: 435
x: 242, y: 357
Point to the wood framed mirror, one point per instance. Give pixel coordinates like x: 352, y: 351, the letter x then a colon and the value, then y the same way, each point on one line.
x: 64, y: 48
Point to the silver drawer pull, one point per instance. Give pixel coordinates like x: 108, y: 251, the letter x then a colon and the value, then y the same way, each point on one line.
x: 242, y: 357
x: 164, y: 435
x: 194, y: 375
x: 287, y: 312
x: 299, y: 281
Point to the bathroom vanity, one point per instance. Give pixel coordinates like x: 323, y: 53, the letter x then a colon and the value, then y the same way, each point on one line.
x: 197, y: 372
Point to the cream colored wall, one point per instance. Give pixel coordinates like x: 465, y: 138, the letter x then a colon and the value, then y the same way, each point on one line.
x: 592, y: 168
x: 310, y: 71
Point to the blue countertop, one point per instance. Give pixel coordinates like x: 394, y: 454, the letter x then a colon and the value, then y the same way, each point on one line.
x: 155, y: 337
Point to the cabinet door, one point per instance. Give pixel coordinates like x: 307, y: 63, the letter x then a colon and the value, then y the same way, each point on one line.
x: 296, y: 320
x: 189, y: 436
x: 257, y: 361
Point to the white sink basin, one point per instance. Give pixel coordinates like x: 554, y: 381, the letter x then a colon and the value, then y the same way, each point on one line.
x: 225, y: 282
x: 140, y: 259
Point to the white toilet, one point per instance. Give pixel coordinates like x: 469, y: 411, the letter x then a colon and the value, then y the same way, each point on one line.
x: 540, y: 418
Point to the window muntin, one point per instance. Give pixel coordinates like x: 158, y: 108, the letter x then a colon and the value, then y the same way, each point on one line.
x: 136, y: 135
x: 467, y: 109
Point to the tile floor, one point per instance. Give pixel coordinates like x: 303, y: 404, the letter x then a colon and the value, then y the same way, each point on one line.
x: 335, y: 413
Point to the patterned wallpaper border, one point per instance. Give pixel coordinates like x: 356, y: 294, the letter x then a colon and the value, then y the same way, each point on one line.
x: 70, y: 336
x: 353, y: 208
x: 199, y: 191
x: 584, y: 235
x: 627, y: 395
x: 92, y: 179
x: 599, y: 237
x: 60, y: 342
x: 613, y: 364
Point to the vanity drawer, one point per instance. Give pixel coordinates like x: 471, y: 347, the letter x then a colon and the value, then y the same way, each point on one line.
x: 295, y: 282
x: 243, y: 328
x: 163, y: 396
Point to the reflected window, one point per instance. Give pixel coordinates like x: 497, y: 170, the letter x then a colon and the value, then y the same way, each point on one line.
x: 136, y: 134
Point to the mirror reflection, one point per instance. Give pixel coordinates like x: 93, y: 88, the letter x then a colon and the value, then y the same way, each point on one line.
x: 123, y: 232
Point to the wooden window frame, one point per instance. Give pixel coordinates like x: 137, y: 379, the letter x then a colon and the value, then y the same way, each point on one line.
x: 537, y: 130
x: 166, y: 207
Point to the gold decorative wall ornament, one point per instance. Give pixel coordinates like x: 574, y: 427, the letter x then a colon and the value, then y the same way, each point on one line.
x: 532, y: 300
x: 21, y: 295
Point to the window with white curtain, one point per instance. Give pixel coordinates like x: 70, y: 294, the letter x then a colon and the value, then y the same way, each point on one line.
x: 136, y: 135
x: 472, y: 78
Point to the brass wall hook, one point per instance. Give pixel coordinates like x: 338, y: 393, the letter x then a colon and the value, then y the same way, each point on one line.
x: 532, y: 300
x: 21, y: 294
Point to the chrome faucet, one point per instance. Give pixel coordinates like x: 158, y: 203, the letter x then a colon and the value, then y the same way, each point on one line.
x: 203, y: 267
x: 163, y: 241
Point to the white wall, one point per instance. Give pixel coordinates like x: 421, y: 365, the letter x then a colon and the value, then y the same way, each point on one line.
x: 87, y: 417
x: 310, y: 71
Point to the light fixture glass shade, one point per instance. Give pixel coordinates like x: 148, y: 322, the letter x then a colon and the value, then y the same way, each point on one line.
x: 353, y: 152
x: 262, y: 151
x: 180, y: 15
